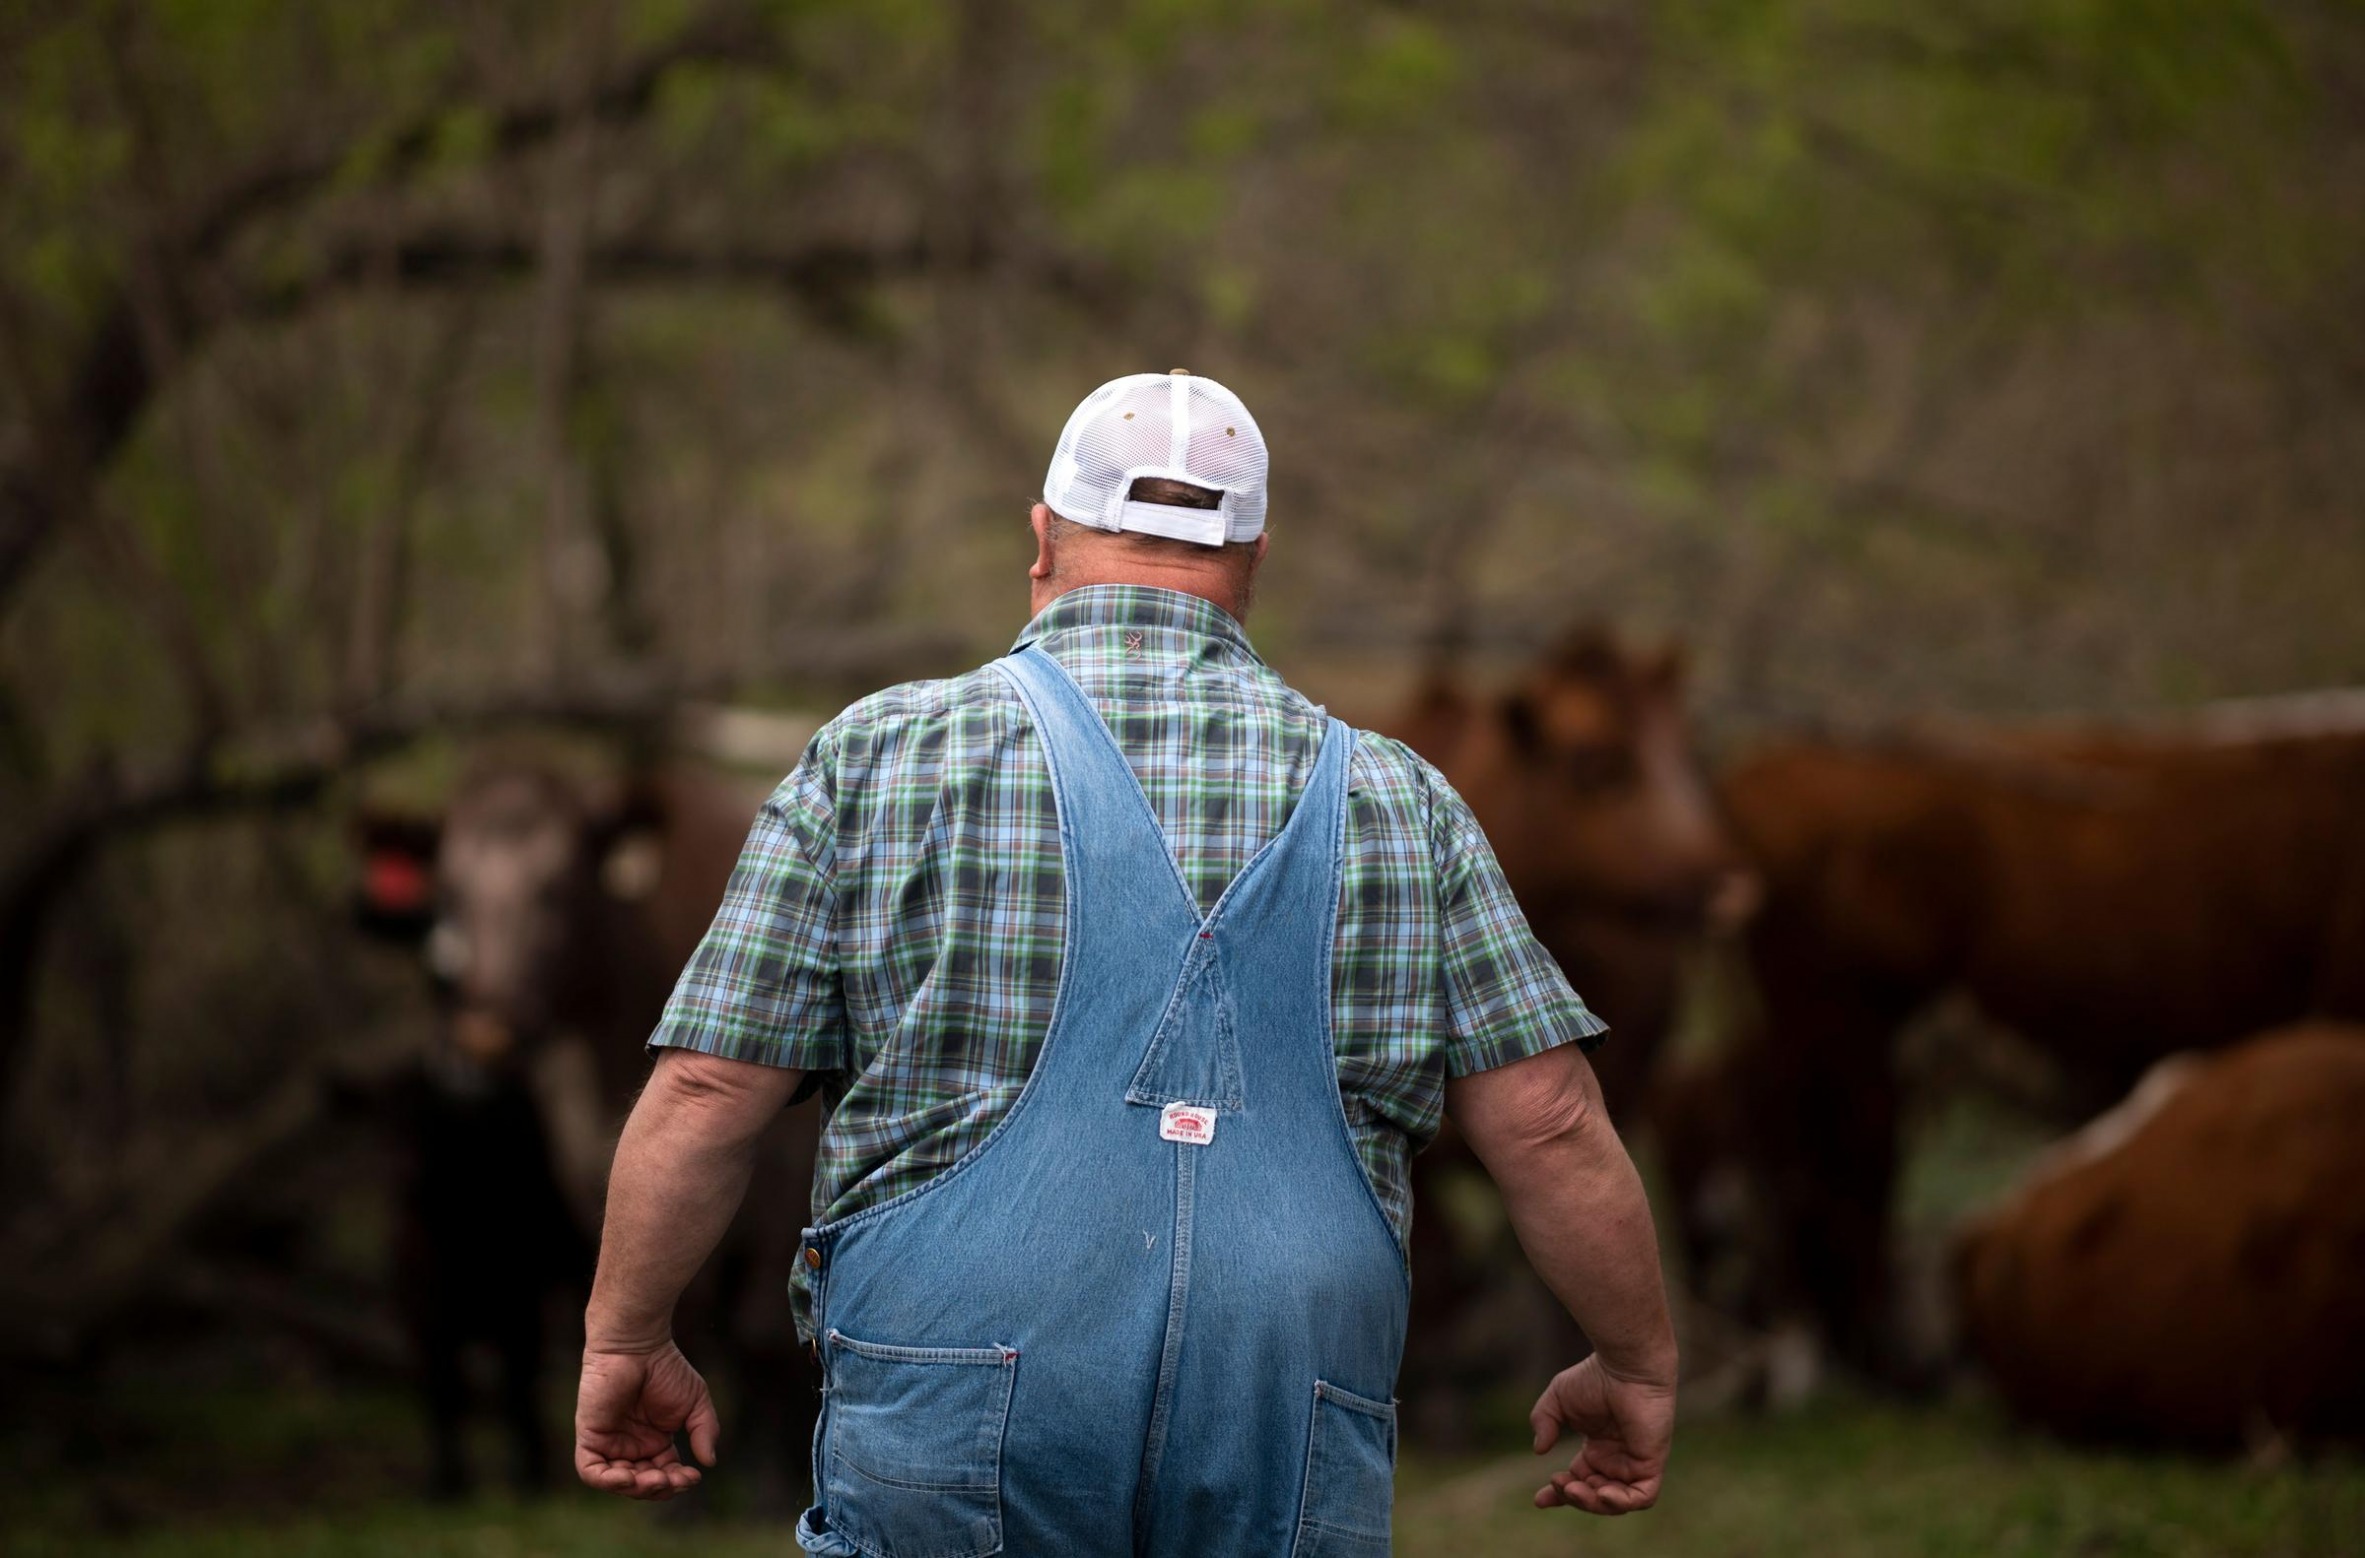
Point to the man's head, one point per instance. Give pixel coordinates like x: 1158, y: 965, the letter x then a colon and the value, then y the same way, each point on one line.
x: 1159, y: 479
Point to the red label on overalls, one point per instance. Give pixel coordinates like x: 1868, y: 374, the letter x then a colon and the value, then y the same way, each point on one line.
x: 1187, y: 1123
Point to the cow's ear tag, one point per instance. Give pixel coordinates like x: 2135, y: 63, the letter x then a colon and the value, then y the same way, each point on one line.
x: 1189, y: 1124
x: 396, y: 881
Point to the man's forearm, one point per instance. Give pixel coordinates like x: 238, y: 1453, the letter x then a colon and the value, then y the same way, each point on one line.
x: 1580, y: 1213
x: 1576, y: 1203
x: 680, y: 1172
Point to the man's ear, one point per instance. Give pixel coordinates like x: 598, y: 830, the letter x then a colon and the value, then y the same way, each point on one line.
x: 1039, y: 519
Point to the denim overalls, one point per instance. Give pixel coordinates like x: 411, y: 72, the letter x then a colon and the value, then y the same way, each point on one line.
x: 1158, y: 1310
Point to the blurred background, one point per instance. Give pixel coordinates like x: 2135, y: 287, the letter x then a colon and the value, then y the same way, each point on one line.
x: 395, y: 394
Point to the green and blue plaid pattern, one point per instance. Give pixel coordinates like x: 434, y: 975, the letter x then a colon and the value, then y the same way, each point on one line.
x: 894, y: 926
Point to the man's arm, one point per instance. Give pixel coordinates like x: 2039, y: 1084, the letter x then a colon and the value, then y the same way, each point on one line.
x: 1578, y: 1207
x: 681, y: 1169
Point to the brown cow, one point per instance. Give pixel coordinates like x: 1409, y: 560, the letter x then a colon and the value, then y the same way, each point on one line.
x: 2114, y: 897
x: 1583, y: 778
x: 559, y: 922
x: 2190, y: 1268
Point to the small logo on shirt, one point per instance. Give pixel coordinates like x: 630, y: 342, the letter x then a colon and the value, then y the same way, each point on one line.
x: 1186, y: 1123
x: 1133, y: 642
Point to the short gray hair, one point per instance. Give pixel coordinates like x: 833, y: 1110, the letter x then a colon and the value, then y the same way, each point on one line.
x: 1177, y: 494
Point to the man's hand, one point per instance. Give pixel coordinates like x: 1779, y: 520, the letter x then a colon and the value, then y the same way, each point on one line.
x: 1628, y: 1426
x: 1577, y: 1205
x: 680, y: 1171
x: 627, y: 1410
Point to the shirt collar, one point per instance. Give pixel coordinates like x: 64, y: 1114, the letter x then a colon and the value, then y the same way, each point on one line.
x: 1135, y: 606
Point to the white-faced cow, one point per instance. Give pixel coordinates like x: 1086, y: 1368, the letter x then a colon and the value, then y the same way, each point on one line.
x: 554, y: 918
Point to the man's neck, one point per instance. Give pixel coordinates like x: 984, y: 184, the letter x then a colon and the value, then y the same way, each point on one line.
x: 1219, y: 593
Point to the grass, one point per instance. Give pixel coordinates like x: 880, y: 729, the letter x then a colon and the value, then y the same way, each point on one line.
x: 1856, y: 1479
x: 317, y: 1477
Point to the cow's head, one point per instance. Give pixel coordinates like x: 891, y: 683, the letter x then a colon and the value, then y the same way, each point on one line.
x: 505, y: 894
x: 1584, y: 777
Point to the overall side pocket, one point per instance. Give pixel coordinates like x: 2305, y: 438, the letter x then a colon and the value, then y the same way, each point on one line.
x: 1350, y: 1476
x: 915, y: 1447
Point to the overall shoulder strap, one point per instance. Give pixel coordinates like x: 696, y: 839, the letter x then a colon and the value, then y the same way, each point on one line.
x: 1103, y: 814
x: 1294, y: 879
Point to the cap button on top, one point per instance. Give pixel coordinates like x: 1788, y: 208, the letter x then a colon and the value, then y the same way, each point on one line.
x: 1178, y: 373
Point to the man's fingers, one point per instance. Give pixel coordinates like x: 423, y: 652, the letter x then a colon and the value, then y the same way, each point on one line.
x: 657, y: 1483
x: 1576, y: 1495
x: 706, y: 1429
x: 657, y: 1477
x: 1546, y: 1423
x: 1596, y: 1493
x: 607, y: 1476
x: 597, y: 1471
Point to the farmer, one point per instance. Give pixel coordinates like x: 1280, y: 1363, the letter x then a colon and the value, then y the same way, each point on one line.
x: 1132, y: 982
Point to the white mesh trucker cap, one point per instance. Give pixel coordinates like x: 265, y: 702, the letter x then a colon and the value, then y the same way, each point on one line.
x: 1173, y: 425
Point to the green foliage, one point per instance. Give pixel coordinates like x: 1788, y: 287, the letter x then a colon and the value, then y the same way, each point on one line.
x: 1401, y: 72
x: 1739, y: 270
x: 57, y: 156
x: 1833, y: 143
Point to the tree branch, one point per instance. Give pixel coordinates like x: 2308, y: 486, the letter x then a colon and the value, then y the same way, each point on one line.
x: 825, y: 276
x: 561, y: 346
x: 114, y: 376
x: 374, y: 650
x: 725, y: 36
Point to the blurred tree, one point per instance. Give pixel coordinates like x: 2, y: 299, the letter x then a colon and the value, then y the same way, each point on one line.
x: 217, y: 221
x: 382, y: 367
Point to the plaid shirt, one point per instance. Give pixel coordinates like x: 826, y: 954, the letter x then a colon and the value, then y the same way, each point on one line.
x: 895, y: 923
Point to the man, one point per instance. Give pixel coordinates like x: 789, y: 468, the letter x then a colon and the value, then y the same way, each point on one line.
x: 1133, y: 982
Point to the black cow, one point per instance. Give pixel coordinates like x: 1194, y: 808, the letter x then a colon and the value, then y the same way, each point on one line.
x: 483, y: 1240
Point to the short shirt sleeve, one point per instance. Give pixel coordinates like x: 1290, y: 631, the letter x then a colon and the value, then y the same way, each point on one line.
x: 763, y: 985
x: 1505, y: 997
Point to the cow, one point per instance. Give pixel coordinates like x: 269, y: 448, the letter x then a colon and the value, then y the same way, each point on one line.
x: 484, y: 1237
x: 2189, y: 1270
x: 2113, y: 896
x: 1582, y: 776
x: 1584, y: 779
x: 555, y: 918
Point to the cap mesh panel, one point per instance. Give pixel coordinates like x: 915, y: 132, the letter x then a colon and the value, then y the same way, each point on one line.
x: 1125, y: 430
